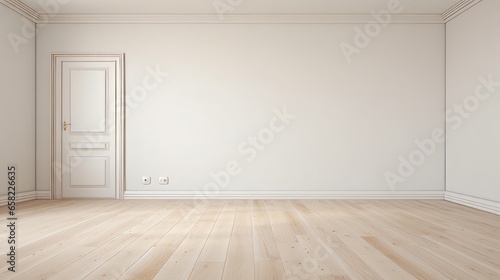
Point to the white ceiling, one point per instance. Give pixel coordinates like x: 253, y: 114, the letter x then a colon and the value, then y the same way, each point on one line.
x: 241, y: 6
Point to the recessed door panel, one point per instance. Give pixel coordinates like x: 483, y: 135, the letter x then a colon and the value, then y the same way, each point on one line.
x: 88, y: 100
x: 89, y: 172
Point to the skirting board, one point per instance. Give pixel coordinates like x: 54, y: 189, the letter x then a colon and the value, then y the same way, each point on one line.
x: 286, y: 195
x: 474, y: 202
x: 20, y: 197
x: 43, y: 195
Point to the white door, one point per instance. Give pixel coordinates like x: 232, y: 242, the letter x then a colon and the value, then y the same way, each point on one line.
x: 89, y: 94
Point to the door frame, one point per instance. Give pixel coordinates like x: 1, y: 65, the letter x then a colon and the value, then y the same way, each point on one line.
x: 56, y: 120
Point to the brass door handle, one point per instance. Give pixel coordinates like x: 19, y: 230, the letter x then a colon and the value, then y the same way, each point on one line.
x: 66, y: 125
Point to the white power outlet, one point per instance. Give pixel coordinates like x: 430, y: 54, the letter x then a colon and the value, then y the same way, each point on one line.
x: 146, y: 180
x: 163, y: 180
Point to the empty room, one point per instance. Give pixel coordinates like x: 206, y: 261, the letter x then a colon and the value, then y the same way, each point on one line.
x: 249, y: 139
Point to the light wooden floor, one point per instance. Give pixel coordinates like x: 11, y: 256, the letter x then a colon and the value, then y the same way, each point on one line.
x: 245, y: 239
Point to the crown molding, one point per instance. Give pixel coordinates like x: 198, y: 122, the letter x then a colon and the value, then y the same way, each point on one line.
x: 231, y: 19
x: 458, y: 9
x: 22, y: 9
x: 31, y: 14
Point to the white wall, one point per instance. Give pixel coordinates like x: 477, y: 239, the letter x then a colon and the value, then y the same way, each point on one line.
x: 473, y: 149
x: 17, y: 100
x: 352, y: 120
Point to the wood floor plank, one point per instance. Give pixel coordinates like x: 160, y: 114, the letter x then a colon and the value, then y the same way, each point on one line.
x: 353, y: 264
x: 240, y: 260
x: 486, y: 262
x: 67, y: 216
x: 419, y: 258
x: 384, y: 266
x: 34, y: 255
x: 254, y: 239
x: 269, y: 269
x: 448, y: 269
x: 411, y: 232
x: 215, y: 249
x: 294, y: 260
x: 124, y: 234
x: 320, y: 258
x: 50, y: 260
x: 124, y: 259
x: 453, y: 230
x: 330, y: 247
x: 320, y: 221
x: 207, y: 271
x: 183, y: 260
x: 282, y: 232
x: 264, y: 242
x: 403, y: 261
x: 154, y: 259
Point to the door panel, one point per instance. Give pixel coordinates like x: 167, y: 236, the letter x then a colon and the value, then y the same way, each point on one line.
x: 89, y: 172
x: 87, y: 145
x: 87, y: 93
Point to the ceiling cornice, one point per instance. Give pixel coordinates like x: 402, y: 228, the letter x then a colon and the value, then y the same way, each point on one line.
x: 21, y: 9
x: 236, y: 18
x: 31, y: 14
x: 458, y: 9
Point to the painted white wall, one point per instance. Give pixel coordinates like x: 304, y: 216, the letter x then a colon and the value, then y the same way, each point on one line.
x: 473, y: 147
x: 352, y: 121
x: 17, y: 100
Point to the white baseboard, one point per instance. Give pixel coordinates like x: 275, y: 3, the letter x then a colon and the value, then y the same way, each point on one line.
x: 285, y: 195
x: 474, y: 202
x: 43, y: 195
x: 20, y: 197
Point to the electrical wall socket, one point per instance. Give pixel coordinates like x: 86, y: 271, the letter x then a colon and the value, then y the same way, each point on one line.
x: 146, y: 180
x: 163, y: 180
